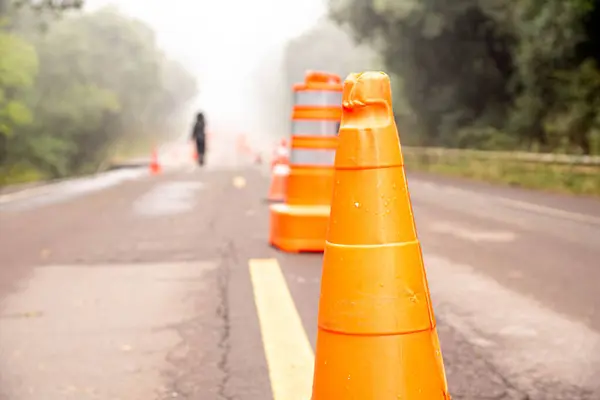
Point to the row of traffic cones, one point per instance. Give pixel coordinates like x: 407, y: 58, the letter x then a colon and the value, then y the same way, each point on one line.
x: 155, y: 165
x: 377, y: 335
x: 243, y: 150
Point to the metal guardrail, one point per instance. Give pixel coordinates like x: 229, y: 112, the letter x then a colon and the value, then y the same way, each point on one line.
x: 542, y: 158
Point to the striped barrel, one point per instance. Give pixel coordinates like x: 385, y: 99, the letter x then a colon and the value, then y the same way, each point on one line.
x: 315, y: 123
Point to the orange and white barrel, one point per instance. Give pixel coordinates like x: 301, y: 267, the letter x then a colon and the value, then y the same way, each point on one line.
x: 315, y: 124
x: 300, y: 223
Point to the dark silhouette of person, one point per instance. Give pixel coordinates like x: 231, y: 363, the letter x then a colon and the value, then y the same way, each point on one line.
x: 199, y: 137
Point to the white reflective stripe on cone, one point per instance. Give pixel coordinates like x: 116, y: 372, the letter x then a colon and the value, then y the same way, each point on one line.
x: 282, y: 151
x: 324, y: 157
x: 319, y: 98
x: 317, y: 127
x: 281, y: 169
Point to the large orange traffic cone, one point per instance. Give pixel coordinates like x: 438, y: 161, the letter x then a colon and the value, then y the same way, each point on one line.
x: 376, y: 331
x: 155, y: 167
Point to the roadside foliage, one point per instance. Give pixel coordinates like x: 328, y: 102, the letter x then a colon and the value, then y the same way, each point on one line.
x: 76, y: 85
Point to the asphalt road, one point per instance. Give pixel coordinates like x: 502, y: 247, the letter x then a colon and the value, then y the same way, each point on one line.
x: 130, y: 286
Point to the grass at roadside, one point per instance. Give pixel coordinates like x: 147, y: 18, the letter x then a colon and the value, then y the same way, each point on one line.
x: 574, y: 179
x: 25, y: 173
x: 20, y: 174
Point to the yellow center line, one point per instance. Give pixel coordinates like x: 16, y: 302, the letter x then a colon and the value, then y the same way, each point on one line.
x: 288, y: 351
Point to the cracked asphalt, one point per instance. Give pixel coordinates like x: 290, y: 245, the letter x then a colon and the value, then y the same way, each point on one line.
x: 140, y: 288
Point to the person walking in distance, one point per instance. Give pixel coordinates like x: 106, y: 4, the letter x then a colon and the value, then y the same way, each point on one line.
x: 199, y: 137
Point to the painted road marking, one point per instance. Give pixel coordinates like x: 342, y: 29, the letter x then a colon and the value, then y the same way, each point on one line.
x: 556, y: 212
x: 518, y: 204
x: 288, y: 351
x: 239, y: 182
x: 473, y: 235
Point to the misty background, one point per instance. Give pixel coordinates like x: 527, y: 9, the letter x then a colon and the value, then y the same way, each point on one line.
x: 244, y: 59
x: 226, y: 46
x: 237, y: 64
x: 82, y: 82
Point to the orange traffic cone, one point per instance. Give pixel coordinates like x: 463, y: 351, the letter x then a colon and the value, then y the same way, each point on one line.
x: 155, y: 167
x: 280, y: 172
x: 281, y: 154
x: 277, y: 190
x: 195, y: 155
x: 377, y: 336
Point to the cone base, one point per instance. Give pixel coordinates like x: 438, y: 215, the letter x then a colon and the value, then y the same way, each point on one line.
x: 296, y: 229
x: 407, y: 366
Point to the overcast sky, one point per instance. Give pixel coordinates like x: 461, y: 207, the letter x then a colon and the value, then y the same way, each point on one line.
x: 222, y: 41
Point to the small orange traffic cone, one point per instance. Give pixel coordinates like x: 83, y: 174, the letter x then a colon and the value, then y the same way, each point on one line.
x: 195, y: 155
x: 281, y: 154
x: 280, y: 174
x: 155, y: 167
x: 377, y: 335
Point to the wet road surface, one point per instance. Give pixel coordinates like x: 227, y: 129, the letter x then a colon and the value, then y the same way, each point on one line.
x: 131, y: 286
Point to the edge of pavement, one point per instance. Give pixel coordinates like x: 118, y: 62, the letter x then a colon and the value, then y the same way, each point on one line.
x: 14, y: 192
x: 7, y: 192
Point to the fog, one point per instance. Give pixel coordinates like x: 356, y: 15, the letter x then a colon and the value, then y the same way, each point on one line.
x: 226, y: 44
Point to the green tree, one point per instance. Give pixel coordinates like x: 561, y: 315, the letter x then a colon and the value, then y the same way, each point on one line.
x: 18, y: 69
x: 102, y: 80
x: 54, y: 5
x: 325, y: 47
x: 474, y: 69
